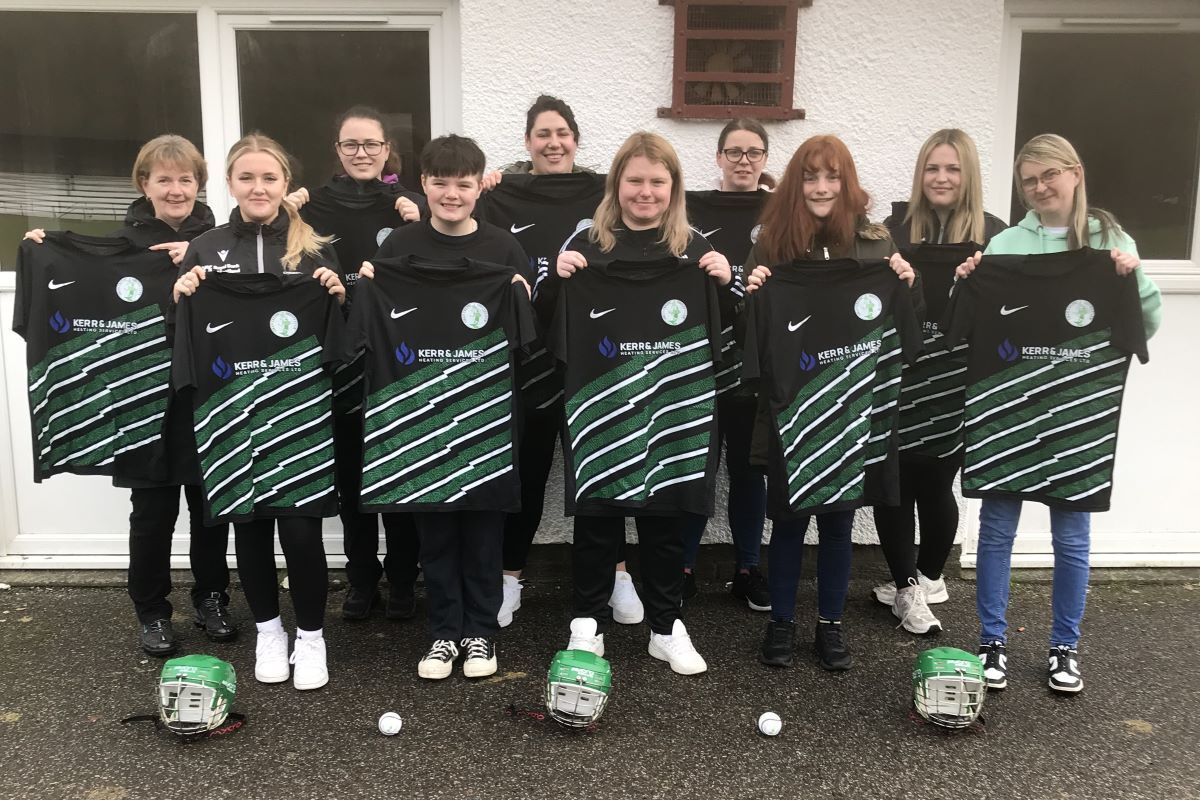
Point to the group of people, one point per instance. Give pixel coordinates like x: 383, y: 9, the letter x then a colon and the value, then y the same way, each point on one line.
x: 358, y: 224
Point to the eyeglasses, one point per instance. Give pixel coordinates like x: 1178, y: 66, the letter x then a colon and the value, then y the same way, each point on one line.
x: 753, y: 155
x: 350, y: 147
x: 1046, y: 178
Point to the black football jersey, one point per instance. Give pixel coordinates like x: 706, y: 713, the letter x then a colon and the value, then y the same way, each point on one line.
x: 91, y: 311
x: 257, y: 351
x: 1050, y: 339
x: 825, y: 341
x: 636, y: 340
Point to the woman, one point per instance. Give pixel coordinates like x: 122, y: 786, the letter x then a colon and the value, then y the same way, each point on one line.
x: 543, y: 215
x: 358, y: 209
x: 818, y: 211
x: 169, y: 172
x: 266, y: 235
x: 642, y: 217
x: 946, y: 207
x: 727, y: 219
x: 1050, y: 179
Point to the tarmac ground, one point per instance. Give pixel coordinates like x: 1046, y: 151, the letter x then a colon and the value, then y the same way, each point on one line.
x: 70, y: 671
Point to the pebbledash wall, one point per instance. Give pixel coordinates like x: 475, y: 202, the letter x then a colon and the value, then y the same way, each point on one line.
x: 882, y: 75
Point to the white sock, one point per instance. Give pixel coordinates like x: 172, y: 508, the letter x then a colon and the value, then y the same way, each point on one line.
x: 270, y: 626
x: 319, y: 633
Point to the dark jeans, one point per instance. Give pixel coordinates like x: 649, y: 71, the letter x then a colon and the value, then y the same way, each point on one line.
x: 833, y: 564
x: 308, y: 572
x: 360, y: 537
x: 929, y: 485
x: 460, y: 553
x: 597, y: 548
x: 539, y: 431
x: 747, y: 486
x: 151, y: 526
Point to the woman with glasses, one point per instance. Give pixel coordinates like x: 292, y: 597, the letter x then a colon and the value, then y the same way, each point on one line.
x: 1050, y: 179
x: 358, y: 208
x: 727, y: 219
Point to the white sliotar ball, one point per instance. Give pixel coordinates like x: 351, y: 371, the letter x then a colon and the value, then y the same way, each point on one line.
x: 769, y: 724
x: 390, y: 723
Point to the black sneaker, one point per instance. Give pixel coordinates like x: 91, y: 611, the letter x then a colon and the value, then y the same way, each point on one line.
x: 480, y: 660
x: 158, y: 638
x: 779, y: 644
x: 402, y: 602
x: 689, y: 585
x: 751, y: 586
x: 830, y: 646
x: 995, y: 665
x: 213, y: 618
x: 359, y: 602
x: 1064, y: 670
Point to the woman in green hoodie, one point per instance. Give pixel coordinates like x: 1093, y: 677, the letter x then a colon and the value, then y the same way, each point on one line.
x: 1050, y: 179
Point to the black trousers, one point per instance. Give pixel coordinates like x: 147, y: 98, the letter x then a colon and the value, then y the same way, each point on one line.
x: 539, y: 431
x: 929, y: 485
x: 599, y: 546
x: 151, y: 526
x: 460, y: 553
x: 360, y: 537
x: 308, y: 571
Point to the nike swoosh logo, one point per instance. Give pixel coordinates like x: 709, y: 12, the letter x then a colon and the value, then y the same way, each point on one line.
x: 515, y: 229
x: 707, y: 234
x: 795, y: 326
x: 1005, y: 311
x: 210, y: 328
x: 52, y: 285
x: 594, y: 314
x: 398, y: 314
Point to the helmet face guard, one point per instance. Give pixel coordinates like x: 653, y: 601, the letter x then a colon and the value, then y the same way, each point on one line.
x: 577, y: 688
x: 948, y: 687
x: 195, y: 694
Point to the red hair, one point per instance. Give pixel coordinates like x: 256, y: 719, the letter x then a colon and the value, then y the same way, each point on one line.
x: 789, y: 229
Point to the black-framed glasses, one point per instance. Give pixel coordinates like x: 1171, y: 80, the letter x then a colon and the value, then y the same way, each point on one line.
x: 1046, y: 178
x: 753, y: 155
x: 349, y: 147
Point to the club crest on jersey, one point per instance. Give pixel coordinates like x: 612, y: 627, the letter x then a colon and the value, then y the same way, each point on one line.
x: 1080, y: 313
x: 607, y: 348
x: 868, y: 306
x: 381, y: 235
x: 1008, y: 352
x: 474, y: 316
x: 674, y: 312
x: 59, y: 323
x: 222, y: 369
x: 405, y: 354
x: 284, y: 324
x: 129, y: 289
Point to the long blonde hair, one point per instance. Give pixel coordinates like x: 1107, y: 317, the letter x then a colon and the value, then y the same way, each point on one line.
x: 302, y: 240
x: 1055, y: 151
x: 965, y: 223
x: 675, y: 230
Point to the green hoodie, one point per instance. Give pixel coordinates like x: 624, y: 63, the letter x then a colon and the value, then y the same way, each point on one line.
x: 1029, y: 237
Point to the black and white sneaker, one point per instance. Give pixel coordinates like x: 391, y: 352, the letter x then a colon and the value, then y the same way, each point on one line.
x: 480, y: 658
x: 751, y: 586
x: 438, y: 663
x: 1064, y: 670
x: 995, y: 664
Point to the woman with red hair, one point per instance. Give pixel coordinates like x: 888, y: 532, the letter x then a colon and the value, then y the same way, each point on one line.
x: 818, y: 211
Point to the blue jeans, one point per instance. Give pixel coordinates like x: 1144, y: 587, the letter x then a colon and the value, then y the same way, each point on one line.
x: 833, y: 564
x: 1071, y: 531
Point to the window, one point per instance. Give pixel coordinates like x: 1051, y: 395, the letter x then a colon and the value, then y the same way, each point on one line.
x: 734, y: 60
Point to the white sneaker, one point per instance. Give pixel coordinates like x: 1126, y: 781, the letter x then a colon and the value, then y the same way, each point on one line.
x: 584, y: 636
x: 511, y: 602
x: 913, y: 612
x: 935, y: 591
x: 677, y: 650
x: 626, y: 605
x: 438, y: 663
x: 309, y: 657
x: 271, y: 657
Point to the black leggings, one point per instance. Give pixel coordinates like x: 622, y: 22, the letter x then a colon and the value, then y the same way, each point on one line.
x: 308, y: 572
x: 929, y: 485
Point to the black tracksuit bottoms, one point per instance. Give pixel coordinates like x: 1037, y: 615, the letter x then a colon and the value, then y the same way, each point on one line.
x: 460, y: 554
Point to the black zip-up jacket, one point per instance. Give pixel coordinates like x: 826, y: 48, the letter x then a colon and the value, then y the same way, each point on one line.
x: 146, y: 230
x: 247, y: 248
x: 901, y: 229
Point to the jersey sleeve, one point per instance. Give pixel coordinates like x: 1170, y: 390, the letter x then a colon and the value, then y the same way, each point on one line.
x: 333, y: 343
x: 183, y: 368
x: 555, y: 337
x: 1130, y: 329
x: 752, y: 351
x: 908, y: 321
x: 520, y: 322
x: 24, y: 288
x: 959, y: 317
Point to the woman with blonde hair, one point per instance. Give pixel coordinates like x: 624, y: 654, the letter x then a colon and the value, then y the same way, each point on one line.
x: 1050, y: 178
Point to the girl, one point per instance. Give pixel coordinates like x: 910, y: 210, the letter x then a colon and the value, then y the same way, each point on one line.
x: 946, y: 206
x: 1049, y: 177
x: 818, y: 211
x: 265, y: 234
x: 642, y: 217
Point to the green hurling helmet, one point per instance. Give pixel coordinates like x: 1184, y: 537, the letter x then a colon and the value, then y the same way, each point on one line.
x: 577, y: 687
x: 948, y: 686
x: 195, y: 694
